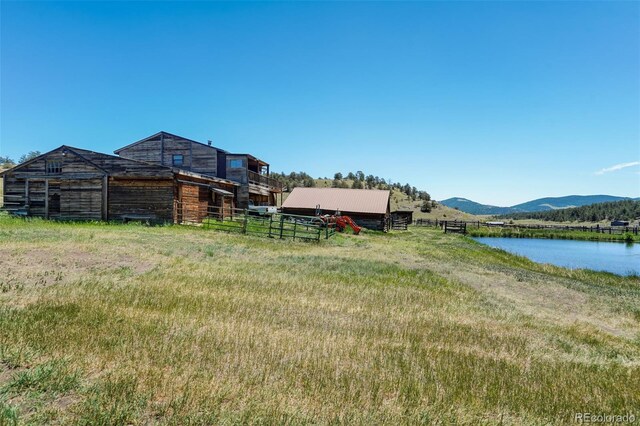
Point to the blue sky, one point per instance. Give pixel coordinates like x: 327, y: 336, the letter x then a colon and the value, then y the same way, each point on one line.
x: 500, y: 102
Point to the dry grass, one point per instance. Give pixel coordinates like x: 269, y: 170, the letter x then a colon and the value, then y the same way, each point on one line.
x: 110, y: 324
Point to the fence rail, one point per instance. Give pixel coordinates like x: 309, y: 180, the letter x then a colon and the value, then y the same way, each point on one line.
x: 399, y: 224
x: 278, y: 225
x: 477, y: 224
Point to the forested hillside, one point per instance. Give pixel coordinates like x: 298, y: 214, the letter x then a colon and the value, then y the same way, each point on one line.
x: 357, y: 180
x: 403, y: 196
x: 623, y: 210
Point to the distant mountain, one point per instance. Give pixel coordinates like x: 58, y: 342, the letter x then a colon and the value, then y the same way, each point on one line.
x: 539, y: 205
x: 554, y: 203
x: 472, y: 207
x: 628, y: 210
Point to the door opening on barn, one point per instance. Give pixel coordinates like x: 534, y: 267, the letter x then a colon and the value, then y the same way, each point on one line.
x: 53, y: 204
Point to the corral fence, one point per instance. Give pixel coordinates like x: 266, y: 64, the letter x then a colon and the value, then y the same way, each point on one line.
x: 399, y: 224
x: 244, y: 221
x: 477, y: 224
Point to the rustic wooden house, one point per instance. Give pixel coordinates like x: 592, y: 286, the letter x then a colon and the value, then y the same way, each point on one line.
x: 251, y: 173
x: 76, y: 184
x: 369, y: 208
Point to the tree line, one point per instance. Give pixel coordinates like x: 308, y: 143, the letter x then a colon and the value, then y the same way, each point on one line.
x: 357, y: 180
x: 621, y: 210
x: 9, y: 162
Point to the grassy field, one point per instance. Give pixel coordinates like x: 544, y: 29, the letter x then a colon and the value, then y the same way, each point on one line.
x: 124, y: 324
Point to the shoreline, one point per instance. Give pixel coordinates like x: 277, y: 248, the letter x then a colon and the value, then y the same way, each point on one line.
x: 552, y: 235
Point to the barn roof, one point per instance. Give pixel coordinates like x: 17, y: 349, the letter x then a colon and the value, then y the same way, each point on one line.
x: 122, y: 167
x: 162, y: 132
x: 345, y: 200
x: 118, y: 166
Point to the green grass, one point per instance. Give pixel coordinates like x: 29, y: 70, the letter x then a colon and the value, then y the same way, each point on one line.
x: 550, y: 234
x: 110, y: 324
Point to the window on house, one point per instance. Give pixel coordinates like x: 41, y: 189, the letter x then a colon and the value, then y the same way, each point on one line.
x: 53, y: 167
x: 235, y: 164
x: 178, y: 159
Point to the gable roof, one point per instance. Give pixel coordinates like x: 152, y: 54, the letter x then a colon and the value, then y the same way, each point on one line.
x: 162, y: 132
x: 121, y: 167
x: 345, y: 200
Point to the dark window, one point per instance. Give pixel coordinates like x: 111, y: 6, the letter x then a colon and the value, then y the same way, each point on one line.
x: 235, y: 164
x: 178, y: 159
x: 53, y: 167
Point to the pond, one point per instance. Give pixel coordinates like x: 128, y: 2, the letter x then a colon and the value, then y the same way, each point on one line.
x: 619, y: 258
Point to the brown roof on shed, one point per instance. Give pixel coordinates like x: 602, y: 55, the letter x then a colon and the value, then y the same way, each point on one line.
x: 346, y: 200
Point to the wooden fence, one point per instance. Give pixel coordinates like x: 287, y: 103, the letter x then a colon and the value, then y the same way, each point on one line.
x: 455, y: 227
x: 278, y: 225
x: 399, y: 224
x: 477, y: 224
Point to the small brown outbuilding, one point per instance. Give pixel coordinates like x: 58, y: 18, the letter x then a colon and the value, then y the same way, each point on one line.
x: 367, y: 207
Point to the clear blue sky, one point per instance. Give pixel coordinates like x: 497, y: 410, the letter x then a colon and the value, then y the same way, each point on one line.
x: 500, y: 102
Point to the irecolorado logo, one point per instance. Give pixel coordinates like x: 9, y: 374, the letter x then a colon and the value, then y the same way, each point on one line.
x: 605, y: 418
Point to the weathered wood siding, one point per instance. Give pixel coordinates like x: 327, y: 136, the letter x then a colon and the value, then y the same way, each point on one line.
x: 204, y: 159
x: 195, y: 201
x: 147, y: 197
x: 74, y: 193
x: 14, y: 192
x: 81, y: 199
x: 160, y: 150
x: 239, y: 174
x: 149, y: 151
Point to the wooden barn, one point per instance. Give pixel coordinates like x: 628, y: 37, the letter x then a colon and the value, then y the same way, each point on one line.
x: 367, y: 207
x: 75, y: 184
x: 251, y: 173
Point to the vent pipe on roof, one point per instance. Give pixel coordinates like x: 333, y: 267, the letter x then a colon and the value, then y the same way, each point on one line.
x: 209, y: 142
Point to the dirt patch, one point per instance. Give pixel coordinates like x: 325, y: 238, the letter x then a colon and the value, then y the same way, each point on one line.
x: 22, y: 269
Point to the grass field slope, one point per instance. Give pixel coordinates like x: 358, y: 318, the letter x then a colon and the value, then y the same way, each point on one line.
x: 124, y: 324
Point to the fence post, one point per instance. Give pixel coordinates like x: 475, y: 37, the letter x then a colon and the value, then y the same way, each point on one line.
x: 270, y: 223
x: 295, y: 224
x: 281, y: 225
x: 244, y: 222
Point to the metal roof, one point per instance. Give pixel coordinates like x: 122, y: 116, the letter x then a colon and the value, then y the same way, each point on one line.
x: 345, y: 200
